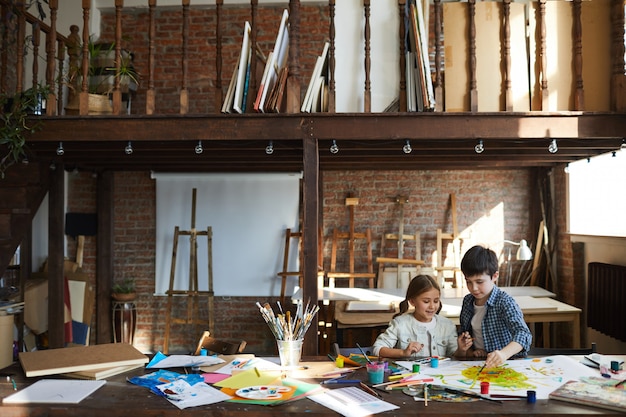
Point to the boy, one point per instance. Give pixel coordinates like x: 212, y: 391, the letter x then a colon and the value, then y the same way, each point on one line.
x: 492, y: 324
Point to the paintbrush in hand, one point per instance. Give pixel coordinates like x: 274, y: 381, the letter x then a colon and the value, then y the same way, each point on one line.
x: 477, y: 375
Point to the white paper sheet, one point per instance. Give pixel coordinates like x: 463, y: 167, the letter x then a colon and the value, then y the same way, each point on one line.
x: 58, y: 391
x: 352, y: 402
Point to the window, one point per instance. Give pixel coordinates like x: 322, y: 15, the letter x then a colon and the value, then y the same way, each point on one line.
x: 597, y: 201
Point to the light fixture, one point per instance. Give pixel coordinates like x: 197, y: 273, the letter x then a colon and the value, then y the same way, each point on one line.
x: 523, y: 252
x: 588, y: 159
x: 614, y: 154
x: 60, y: 150
x: 622, y: 147
x: 479, y: 148
x: 334, y: 149
x: 199, y: 149
x: 566, y: 170
x: 407, y: 147
x: 269, y: 149
x: 129, y: 148
x: 553, y: 147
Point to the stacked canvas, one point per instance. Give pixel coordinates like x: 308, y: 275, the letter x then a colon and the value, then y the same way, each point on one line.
x: 419, y: 86
x: 269, y: 97
x: 316, y: 97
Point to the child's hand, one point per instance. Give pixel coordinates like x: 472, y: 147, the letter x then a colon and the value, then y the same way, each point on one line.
x: 495, y: 358
x: 412, y: 348
x: 479, y: 353
x: 465, y: 341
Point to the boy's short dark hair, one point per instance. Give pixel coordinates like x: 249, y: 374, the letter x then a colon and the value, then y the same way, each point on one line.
x: 479, y: 260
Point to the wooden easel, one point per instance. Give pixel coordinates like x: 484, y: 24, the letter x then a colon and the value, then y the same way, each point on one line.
x: 351, y: 236
x: 192, y: 292
x: 400, y: 261
x: 442, y: 238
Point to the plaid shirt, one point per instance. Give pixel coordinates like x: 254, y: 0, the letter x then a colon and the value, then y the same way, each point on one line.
x: 503, y: 322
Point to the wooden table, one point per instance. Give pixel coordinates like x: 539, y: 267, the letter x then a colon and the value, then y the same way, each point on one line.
x: 119, y: 398
x: 536, y: 304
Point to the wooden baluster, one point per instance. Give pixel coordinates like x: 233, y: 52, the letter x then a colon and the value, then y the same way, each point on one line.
x: 21, y: 33
x: 367, y: 99
x: 618, y: 84
x: 248, y: 106
x: 438, y: 83
x: 402, y: 36
x: 508, y: 96
x: 150, y: 93
x: 117, y: 94
x: 543, y: 57
x: 472, y: 56
x: 84, y: 90
x: 59, y: 95
x: 293, y: 72
x: 51, y: 43
x: 331, y: 57
x: 4, y: 54
x: 184, y: 97
x: 219, y: 94
x: 579, y: 96
x: 36, y: 41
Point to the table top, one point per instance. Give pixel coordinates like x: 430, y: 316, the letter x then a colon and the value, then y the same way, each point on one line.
x: 398, y: 294
x: 118, y: 398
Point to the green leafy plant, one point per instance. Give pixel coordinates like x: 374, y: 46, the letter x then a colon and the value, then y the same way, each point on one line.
x: 102, y: 70
x: 17, y: 125
x: 126, y: 286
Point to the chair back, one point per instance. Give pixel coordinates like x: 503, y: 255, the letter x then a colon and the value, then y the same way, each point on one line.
x: 222, y: 347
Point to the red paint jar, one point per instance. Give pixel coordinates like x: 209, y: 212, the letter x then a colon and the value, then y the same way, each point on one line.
x: 484, y: 387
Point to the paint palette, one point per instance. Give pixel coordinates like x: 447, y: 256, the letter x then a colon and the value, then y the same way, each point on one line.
x: 263, y: 392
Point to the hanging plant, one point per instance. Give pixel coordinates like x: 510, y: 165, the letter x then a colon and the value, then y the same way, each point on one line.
x: 17, y: 124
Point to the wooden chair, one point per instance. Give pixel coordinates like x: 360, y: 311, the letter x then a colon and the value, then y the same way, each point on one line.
x: 289, y: 235
x: 219, y: 346
x: 539, y: 351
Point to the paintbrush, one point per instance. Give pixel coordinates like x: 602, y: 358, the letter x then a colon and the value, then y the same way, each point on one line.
x: 477, y: 375
x: 470, y: 394
x: 364, y: 354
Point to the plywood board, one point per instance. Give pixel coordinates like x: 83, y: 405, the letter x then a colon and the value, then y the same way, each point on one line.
x: 79, y: 358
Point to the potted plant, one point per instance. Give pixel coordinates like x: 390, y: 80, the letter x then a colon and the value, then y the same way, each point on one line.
x: 102, y: 73
x: 16, y: 123
x: 124, y: 290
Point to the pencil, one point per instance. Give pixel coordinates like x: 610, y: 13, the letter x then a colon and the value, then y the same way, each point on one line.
x: 425, y: 395
x: 369, y: 390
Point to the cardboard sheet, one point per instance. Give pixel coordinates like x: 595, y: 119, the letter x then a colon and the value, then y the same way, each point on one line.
x: 80, y: 358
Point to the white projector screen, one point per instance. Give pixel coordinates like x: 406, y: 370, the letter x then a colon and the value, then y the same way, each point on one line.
x: 248, y: 215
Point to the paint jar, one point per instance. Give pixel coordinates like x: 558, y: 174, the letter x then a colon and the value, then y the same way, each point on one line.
x: 339, y: 362
x: 203, y: 352
x: 484, y: 387
x: 434, y: 362
x: 290, y: 352
x: 416, y: 367
x: 376, y: 372
x: 531, y: 396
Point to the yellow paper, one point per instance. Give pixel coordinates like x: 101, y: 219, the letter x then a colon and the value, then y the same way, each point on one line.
x: 249, y: 378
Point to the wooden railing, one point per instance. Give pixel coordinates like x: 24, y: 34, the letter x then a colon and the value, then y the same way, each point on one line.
x: 55, y: 56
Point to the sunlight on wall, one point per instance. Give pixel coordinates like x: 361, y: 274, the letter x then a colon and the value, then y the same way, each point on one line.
x: 597, y: 201
x: 488, y: 230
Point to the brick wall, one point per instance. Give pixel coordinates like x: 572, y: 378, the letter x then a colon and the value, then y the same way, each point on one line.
x: 202, y: 49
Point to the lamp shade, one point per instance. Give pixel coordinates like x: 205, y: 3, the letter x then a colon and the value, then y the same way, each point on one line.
x: 524, y: 253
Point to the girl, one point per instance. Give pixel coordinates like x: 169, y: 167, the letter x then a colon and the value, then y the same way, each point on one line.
x: 422, y: 332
